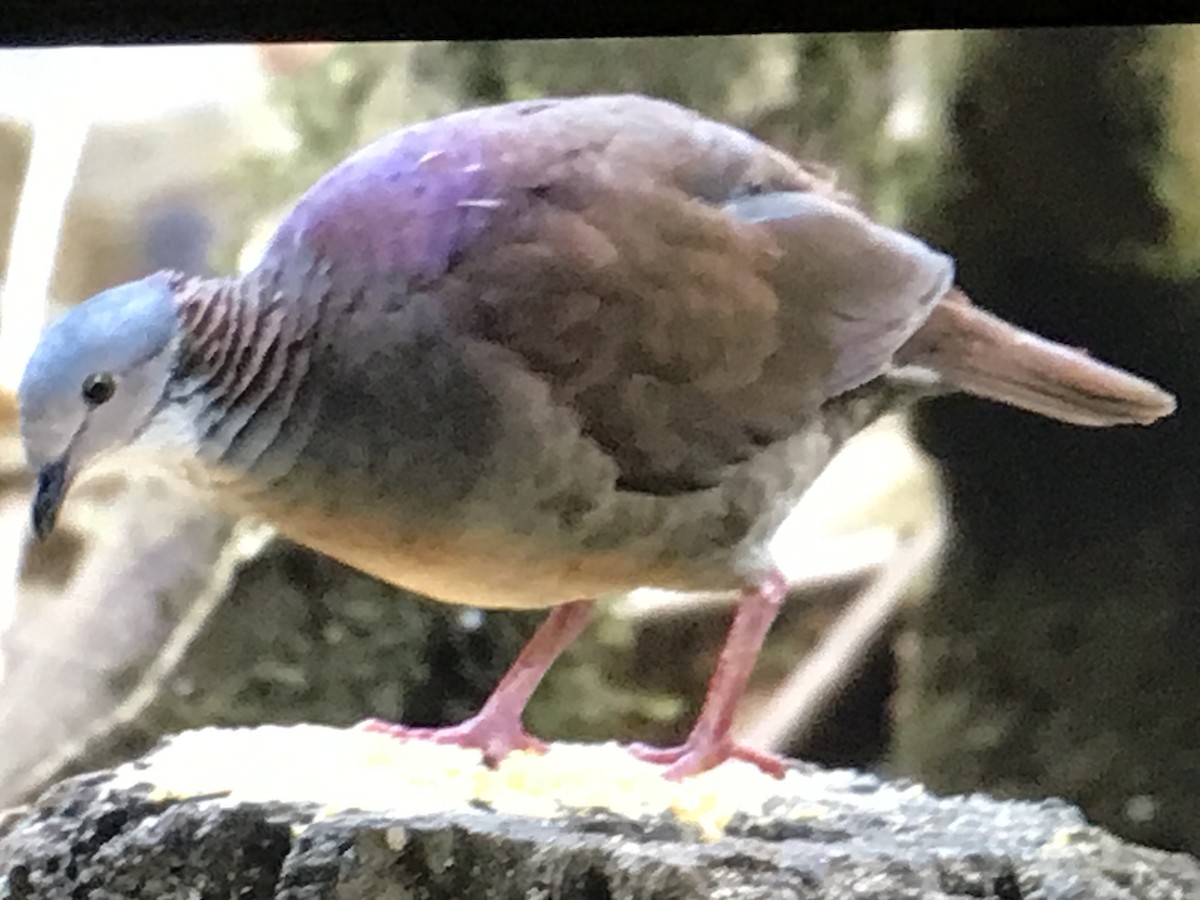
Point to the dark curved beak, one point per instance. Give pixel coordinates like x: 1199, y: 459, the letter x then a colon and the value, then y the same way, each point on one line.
x: 51, y: 489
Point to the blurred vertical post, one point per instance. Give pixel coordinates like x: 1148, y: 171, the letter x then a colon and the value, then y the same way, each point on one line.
x: 60, y: 127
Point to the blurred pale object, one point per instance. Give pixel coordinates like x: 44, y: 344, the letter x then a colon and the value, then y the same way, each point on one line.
x: 90, y: 96
x: 290, y: 58
x: 877, y: 491
x: 881, y: 478
x: 58, y: 137
x: 125, y: 84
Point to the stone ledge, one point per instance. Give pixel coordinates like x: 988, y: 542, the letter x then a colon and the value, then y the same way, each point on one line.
x: 308, y: 813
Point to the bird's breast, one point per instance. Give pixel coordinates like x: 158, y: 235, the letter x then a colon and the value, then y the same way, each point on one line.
x: 456, y: 473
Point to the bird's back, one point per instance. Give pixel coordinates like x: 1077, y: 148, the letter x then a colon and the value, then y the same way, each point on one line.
x: 690, y: 294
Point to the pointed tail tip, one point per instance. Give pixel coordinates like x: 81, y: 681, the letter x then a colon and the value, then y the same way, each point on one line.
x: 1079, y: 389
x: 1089, y: 394
x: 1146, y: 402
x: 1168, y: 405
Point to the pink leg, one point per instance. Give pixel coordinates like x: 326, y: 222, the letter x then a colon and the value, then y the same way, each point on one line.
x: 496, y: 728
x: 710, y: 742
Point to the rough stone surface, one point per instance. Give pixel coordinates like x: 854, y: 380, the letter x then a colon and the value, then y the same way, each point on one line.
x: 134, y: 833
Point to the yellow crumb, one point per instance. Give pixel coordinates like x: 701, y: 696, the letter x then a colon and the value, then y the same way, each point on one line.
x: 343, y: 769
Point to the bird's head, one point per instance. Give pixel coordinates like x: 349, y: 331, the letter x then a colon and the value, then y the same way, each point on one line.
x: 93, y: 384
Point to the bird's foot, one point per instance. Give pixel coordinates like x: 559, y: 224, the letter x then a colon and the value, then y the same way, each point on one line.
x: 695, y: 755
x: 493, y: 736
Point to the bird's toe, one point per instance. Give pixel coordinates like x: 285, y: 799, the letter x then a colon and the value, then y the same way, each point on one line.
x: 493, y: 737
x: 695, y: 756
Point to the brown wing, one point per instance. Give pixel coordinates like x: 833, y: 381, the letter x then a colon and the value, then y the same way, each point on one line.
x: 691, y: 293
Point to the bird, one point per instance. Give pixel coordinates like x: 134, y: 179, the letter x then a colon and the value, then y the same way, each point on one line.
x: 538, y: 354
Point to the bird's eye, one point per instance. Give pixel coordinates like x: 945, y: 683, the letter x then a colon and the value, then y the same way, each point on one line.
x: 98, y: 388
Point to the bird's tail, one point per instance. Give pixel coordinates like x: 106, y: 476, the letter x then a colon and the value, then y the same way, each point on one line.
x: 977, y: 352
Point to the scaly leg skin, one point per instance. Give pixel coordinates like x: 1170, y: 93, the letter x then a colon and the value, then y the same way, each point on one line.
x: 710, y: 742
x: 496, y: 729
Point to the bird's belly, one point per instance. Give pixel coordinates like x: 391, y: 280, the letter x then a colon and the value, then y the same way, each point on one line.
x: 541, y: 520
x: 500, y: 569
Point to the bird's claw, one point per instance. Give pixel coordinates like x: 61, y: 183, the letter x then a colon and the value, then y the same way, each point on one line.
x: 494, y: 738
x: 693, y: 757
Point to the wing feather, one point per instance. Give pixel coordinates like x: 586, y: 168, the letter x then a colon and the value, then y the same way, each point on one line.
x: 689, y: 292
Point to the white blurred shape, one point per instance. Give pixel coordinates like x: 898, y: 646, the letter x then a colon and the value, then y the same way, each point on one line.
x: 880, y: 478
x: 125, y: 84
x: 62, y: 93
x: 53, y: 161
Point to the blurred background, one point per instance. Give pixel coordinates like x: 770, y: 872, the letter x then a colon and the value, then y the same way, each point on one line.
x: 983, y: 600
